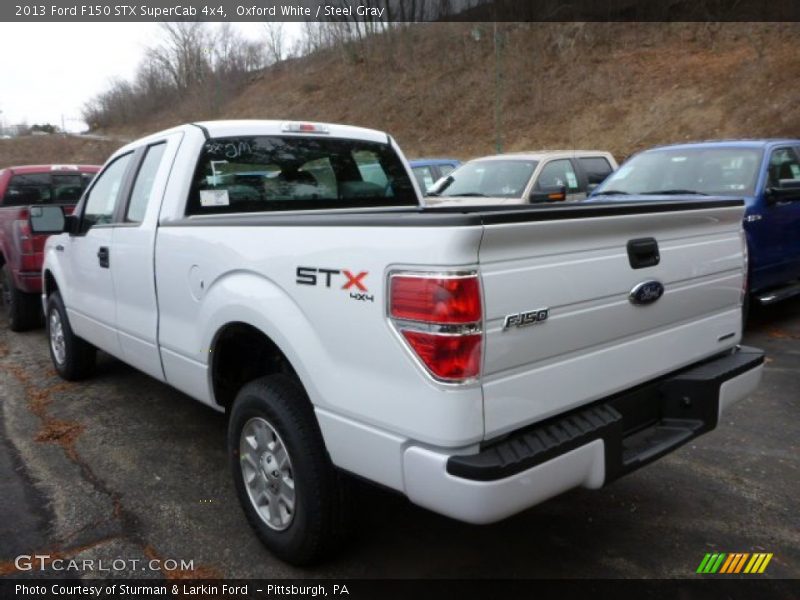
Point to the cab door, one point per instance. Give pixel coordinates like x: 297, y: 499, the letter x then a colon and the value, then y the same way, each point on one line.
x: 777, y: 234
x: 88, y: 285
x: 133, y: 250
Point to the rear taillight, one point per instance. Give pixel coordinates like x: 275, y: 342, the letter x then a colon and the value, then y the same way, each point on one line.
x: 24, y: 236
x: 439, y: 318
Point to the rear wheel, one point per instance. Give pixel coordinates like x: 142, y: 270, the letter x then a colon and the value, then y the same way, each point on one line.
x: 73, y: 357
x: 290, y: 491
x: 22, y: 309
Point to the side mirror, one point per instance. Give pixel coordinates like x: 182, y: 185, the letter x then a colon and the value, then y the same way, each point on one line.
x: 439, y: 186
x: 787, y: 189
x: 48, y: 219
x: 556, y: 193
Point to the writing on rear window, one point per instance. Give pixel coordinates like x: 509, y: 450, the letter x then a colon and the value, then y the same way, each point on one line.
x: 278, y: 173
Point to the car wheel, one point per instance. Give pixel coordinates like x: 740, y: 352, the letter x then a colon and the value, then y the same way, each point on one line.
x: 73, y: 357
x: 22, y: 309
x: 745, y: 311
x: 292, y: 495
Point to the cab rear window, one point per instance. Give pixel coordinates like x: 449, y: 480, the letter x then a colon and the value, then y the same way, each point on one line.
x: 279, y: 173
x: 46, y: 188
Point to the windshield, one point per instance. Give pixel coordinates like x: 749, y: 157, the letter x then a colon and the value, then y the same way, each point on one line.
x: 713, y: 171
x: 495, y: 178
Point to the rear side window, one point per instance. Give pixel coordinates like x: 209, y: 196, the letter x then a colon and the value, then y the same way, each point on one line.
x: 46, y: 188
x: 275, y: 173
x: 597, y: 168
x: 145, y: 178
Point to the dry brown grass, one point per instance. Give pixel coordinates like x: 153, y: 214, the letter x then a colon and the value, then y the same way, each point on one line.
x: 616, y: 86
x: 55, y: 149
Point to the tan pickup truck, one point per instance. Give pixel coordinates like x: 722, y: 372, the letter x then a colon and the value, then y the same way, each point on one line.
x: 523, y: 178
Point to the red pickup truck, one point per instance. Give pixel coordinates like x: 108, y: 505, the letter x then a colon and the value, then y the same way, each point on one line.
x: 20, y: 250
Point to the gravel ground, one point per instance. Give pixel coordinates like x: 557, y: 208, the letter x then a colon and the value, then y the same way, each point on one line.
x: 124, y: 467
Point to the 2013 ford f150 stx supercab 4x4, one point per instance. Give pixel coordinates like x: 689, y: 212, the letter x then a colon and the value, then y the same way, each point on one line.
x: 478, y: 360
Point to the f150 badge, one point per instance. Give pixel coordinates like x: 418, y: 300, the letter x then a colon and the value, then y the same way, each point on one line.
x: 646, y: 292
x: 319, y: 276
x: 523, y: 319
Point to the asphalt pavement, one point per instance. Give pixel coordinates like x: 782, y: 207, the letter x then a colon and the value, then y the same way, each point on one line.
x: 122, y: 467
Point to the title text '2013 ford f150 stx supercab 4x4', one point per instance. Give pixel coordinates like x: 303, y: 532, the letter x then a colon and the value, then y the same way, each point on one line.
x: 478, y: 360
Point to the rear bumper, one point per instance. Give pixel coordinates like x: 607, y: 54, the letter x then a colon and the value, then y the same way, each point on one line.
x: 588, y: 447
x: 29, y: 282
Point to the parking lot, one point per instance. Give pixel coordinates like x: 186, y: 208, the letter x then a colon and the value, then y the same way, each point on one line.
x: 123, y: 467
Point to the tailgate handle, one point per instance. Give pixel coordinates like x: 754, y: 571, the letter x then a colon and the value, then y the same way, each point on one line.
x: 102, y: 257
x: 643, y: 252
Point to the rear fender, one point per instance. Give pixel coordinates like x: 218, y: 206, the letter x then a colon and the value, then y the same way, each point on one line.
x: 250, y: 298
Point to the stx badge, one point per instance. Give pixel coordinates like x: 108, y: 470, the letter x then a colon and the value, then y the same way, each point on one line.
x: 320, y: 276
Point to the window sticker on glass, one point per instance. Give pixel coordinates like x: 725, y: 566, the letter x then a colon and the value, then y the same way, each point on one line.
x: 572, y: 181
x: 214, y: 198
x: 795, y: 171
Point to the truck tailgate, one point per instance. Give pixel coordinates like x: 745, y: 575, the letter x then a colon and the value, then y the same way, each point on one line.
x: 595, y: 340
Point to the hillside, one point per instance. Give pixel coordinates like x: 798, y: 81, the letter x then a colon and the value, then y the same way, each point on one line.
x: 616, y: 86
x: 48, y: 149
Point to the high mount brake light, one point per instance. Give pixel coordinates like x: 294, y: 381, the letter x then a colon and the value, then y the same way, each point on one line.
x: 305, y: 128
x: 439, y: 317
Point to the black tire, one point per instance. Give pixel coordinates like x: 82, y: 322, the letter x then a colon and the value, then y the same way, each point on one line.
x: 745, y: 311
x: 319, y: 520
x: 79, y: 355
x: 22, y: 309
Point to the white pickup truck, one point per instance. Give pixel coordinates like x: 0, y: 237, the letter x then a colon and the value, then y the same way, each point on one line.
x: 478, y: 360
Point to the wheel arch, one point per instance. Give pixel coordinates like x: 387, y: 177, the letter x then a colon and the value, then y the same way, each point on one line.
x: 50, y: 283
x: 241, y: 352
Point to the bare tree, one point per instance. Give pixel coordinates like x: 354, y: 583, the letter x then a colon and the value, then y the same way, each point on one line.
x: 275, y: 42
x: 192, y: 61
x: 183, y: 53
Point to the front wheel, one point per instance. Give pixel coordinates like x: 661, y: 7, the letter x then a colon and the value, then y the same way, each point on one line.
x: 73, y: 357
x: 745, y: 311
x: 290, y: 491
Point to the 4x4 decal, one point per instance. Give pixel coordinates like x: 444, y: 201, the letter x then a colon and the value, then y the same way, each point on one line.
x: 320, y: 276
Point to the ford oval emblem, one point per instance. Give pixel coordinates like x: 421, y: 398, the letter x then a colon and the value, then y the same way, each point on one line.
x: 646, y: 292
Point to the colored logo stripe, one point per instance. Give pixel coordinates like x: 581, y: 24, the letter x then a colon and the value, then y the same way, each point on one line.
x: 720, y: 562
x: 734, y: 563
x: 758, y: 563
x: 711, y: 563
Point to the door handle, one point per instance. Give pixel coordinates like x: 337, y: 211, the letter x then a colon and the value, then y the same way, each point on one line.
x: 103, y: 257
x: 643, y: 252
